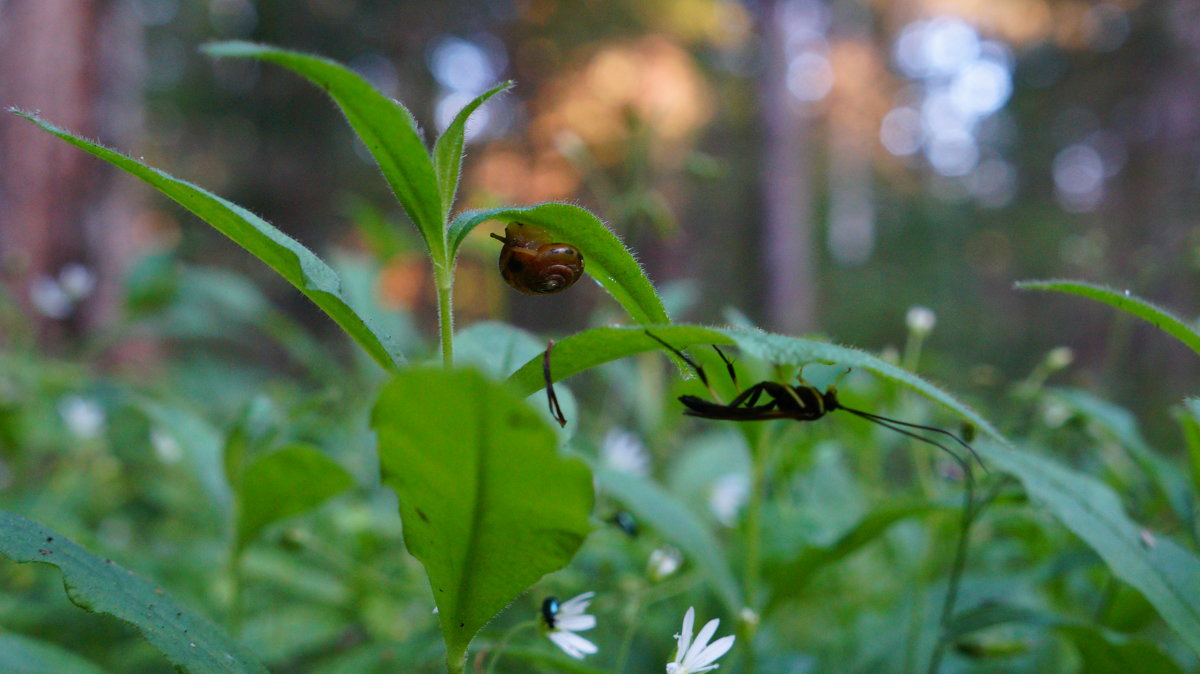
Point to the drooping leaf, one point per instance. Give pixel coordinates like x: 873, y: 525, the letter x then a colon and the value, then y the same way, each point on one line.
x: 294, y: 262
x: 605, y: 258
x: 199, y: 442
x: 24, y: 655
x: 789, y: 578
x: 384, y: 125
x: 1167, y: 575
x: 587, y: 349
x: 489, y: 505
x: 448, y: 151
x: 1122, y: 426
x: 284, y: 483
x: 655, y: 507
x: 1131, y: 304
x: 190, y: 641
x: 993, y: 613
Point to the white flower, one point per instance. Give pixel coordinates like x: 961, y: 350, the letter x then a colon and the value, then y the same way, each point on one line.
x: 663, y: 562
x: 77, y: 281
x: 563, y: 620
x: 697, y: 656
x: 624, y: 452
x: 1060, y: 357
x: 84, y: 417
x: 727, y: 496
x: 920, y: 320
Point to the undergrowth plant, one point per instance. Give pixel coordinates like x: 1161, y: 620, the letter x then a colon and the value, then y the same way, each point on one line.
x: 493, y: 497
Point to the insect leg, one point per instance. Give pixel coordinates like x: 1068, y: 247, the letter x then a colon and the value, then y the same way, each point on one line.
x: 684, y: 357
x: 728, y: 366
x: 750, y: 396
x: 551, y: 397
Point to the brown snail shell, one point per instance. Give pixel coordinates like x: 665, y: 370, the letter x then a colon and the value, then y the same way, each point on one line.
x: 533, y: 264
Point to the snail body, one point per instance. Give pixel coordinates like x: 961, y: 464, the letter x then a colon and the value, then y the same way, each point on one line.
x: 533, y: 264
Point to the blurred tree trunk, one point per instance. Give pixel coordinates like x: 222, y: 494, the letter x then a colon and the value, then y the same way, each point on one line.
x: 787, y: 186
x: 78, y: 64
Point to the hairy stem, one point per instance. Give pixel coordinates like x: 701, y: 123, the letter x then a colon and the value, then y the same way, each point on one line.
x: 445, y: 285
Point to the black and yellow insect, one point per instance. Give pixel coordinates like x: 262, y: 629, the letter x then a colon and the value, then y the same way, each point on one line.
x: 800, y: 402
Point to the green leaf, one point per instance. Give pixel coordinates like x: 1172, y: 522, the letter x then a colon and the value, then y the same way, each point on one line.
x: 496, y: 348
x: 790, y: 578
x: 993, y: 613
x: 1188, y: 417
x: 284, y: 483
x: 488, y: 504
x: 23, y: 655
x: 198, y: 440
x: 297, y: 264
x: 385, y: 127
x: 604, y: 256
x: 590, y: 348
x: 1105, y: 652
x: 1131, y: 304
x: 448, y: 151
x: 190, y: 641
x: 1165, y: 573
x: 652, y: 505
x: 1122, y: 426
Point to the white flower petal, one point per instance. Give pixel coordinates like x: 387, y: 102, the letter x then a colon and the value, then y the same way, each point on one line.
x: 685, y: 635
x: 692, y: 660
x: 715, y: 650
x: 574, y: 623
x: 576, y: 605
x: 572, y: 644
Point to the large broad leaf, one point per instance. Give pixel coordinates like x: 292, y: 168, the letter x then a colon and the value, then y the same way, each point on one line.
x: 1131, y: 304
x: 385, y: 127
x: 299, y: 265
x: 789, y: 578
x: 590, y: 348
x: 674, y: 522
x: 22, y: 655
x: 1165, y: 573
x: 488, y: 504
x: 604, y: 256
x: 448, y: 151
x: 286, y: 482
x: 190, y: 642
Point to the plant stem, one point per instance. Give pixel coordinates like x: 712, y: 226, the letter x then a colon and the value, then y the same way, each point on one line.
x: 630, y: 631
x: 445, y: 285
x: 956, y: 571
x: 751, y: 570
x: 504, y: 642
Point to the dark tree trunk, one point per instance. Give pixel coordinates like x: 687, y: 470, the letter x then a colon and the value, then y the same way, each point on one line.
x: 787, y: 188
x: 77, y: 63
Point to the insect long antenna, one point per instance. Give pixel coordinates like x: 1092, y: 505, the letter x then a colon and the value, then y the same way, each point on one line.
x: 894, y: 423
x: 551, y: 396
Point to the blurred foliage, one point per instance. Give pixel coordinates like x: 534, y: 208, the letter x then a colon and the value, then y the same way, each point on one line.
x: 132, y: 464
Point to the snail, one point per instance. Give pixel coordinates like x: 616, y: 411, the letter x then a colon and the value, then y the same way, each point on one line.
x: 533, y: 264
